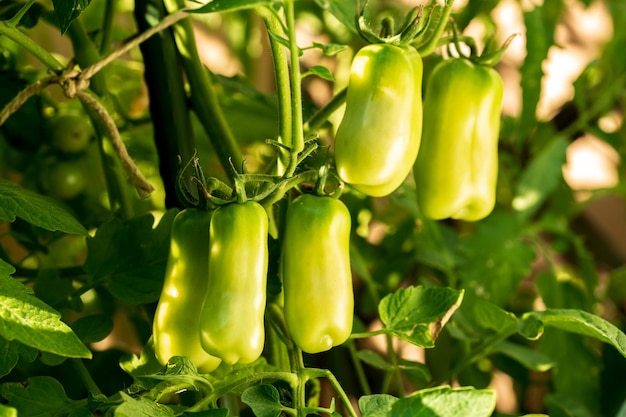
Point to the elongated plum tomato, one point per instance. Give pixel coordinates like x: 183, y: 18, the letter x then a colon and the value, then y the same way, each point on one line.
x: 232, y: 316
x: 176, y: 321
x: 315, y: 267
x: 457, y: 167
x: 379, y: 136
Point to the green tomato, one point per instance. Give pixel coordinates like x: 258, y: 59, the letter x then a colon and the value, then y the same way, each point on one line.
x: 379, y: 136
x: 315, y: 267
x: 64, y: 180
x: 457, y: 167
x: 70, y: 133
x: 232, y: 316
x: 176, y: 321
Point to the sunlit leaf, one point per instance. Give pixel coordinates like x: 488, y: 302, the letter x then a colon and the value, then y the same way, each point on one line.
x: 446, y: 402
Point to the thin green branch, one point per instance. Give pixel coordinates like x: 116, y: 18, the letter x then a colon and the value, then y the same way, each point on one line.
x: 296, y: 88
x: 281, y: 71
x: 321, y: 116
x: 15, y: 20
x: 31, y: 46
x: 107, y: 27
x: 325, y: 373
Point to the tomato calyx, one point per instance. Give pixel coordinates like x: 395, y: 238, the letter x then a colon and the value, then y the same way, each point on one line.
x: 193, y: 189
x: 417, y: 26
x: 490, y: 56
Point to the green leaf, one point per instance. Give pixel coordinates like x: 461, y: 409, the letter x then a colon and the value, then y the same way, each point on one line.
x: 36, y: 209
x: 434, y: 241
x: 580, y: 322
x: 11, y: 352
x: 40, y: 396
x: 540, y: 178
x: 264, y: 400
x: 416, y: 314
x: 495, y: 258
x: 141, y: 407
x: 344, y: 11
x: 130, y: 257
x: 68, y: 10
x: 446, y: 402
x: 329, y: 49
x: 145, y: 364
x: 52, y: 288
x: 321, y: 72
x: 377, y: 405
x: 25, y: 318
x: 416, y: 372
x: 178, y: 371
x: 489, y: 316
x: 230, y: 5
x: 374, y: 359
x: 7, y: 411
x: 93, y: 328
x: 9, y: 355
x: 540, y: 25
x: 531, y: 359
x: 225, y: 375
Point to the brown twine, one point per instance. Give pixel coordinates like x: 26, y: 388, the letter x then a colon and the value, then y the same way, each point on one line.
x: 21, y: 97
x: 144, y: 188
x: 75, y: 84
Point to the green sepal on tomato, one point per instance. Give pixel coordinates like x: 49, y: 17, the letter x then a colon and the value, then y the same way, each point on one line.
x: 232, y: 316
x: 176, y: 321
x: 315, y: 268
x: 457, y: 166
x: 379, y: 136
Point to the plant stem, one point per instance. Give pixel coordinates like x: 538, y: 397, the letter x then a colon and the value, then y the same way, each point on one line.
x: 358, y: 368
x: 85, y: 377
x: 31, y: 46
x: 107, y: 26
x: 204, y: 96
x: 15, y: 20
x: 297, y: 144
x: 241, y: 384
x: 363, y: 335
x: 393, y: 360
x: 173, y: 133
x: 281, y: 71
x: 321, y: 116
x: 325, y: 373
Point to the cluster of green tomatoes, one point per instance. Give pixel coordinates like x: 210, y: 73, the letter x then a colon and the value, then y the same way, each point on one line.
x: 450, y: 140
x: 69, y: 137
x: 213, y: 303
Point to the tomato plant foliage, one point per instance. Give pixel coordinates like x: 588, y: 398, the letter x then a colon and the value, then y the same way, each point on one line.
x: 267, y: 230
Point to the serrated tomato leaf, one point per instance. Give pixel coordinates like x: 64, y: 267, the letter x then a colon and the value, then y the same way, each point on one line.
x: 36, y: 209
x: 27, y: 319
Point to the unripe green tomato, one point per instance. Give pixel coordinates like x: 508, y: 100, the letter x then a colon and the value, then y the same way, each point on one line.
x: 315, y: 267
x: 63, y: 179
x: 457, y: 167
x: 70, y: 133
x: 379, y: 136
x: 232, y: 316
x: 176, y: 321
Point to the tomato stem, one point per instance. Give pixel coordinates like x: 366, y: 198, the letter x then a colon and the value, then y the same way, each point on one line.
x: 296, y: 89
x: 320, y: 117
x: 15, y: 20
x: 31, y: 46
x: 281, y: 71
